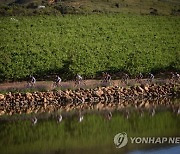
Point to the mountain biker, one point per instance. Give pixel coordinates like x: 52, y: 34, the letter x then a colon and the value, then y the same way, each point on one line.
x: 108, y: 77
x: 177, y: 76
x: 151, y: 77
x: 58, y: 80
x: 32, y: 80
x: 139, y: 77
x: 78, y: 79
x: 125, y: 78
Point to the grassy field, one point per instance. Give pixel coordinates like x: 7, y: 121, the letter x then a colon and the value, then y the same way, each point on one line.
x: 88, y: 44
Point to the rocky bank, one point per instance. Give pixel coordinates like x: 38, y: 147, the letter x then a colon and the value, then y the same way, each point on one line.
x: 89, y: 99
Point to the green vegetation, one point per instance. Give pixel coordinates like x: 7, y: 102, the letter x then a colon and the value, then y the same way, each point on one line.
x: 45, y: 45
x: 94, y: 131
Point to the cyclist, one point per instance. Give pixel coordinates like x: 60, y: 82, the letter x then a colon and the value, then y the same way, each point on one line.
x: 125, y: 78
x: 78, y: 79
x: 177, y: 76
x: 139, y: 77
x: 104, y: 79
x: 57, y: 81
x: 32, y: 81
x: 108, y: 78
x: 151, y: 77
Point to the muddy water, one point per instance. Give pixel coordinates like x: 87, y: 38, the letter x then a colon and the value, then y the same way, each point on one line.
x: 94, y: 134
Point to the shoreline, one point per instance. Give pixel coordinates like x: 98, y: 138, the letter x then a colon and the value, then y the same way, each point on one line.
x: 99, y: 98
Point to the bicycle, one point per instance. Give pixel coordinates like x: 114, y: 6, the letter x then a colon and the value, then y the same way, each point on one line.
x: 139, y: 78
x: 125, y: 79
x: 105, y: 82
x: 151, y: 78
x: 79, y: 82
x: 175, y: 77
x: 30, y: 84
x: 56, y: 84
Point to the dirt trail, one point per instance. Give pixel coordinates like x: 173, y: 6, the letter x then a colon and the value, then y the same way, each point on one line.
x: 48, y: 85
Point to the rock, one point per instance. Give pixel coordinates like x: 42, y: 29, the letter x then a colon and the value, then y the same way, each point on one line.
x: 45, y: 106
x: 142, y: 104
x: 73, y: 99
x: 147, y: 105
x: 145, y: 87
x: 9, y: 95
x: 99, y: 106
x: 139, y: 89
x: 2, y: 112
x: 28, y: 95
x: 2, y: 97
x: 99, y: 92
x: 136, y: 93
x: 44, y: 100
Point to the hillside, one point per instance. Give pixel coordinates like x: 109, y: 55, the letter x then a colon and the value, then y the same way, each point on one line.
x: 28, y: 7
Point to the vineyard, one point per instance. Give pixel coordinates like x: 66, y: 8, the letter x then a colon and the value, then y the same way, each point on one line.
x: 45, y: 45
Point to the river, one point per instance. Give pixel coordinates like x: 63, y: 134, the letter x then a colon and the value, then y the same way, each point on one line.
x: 94, y: 134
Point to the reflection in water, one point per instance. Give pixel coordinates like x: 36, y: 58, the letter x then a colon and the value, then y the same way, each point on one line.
x: 12, y: 107
x: 63, y: 132
x: 164, y: 150
x: 59, y: 118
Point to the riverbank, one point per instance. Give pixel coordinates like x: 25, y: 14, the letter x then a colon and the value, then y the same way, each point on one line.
x: 87, y: 99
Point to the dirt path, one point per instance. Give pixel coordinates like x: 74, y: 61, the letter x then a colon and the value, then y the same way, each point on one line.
x: 48, y: 85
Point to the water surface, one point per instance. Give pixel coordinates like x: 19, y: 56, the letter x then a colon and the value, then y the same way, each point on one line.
x: 94, y: 134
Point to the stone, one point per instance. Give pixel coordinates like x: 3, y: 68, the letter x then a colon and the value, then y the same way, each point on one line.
x: 28, y: 95
x: 142, y: 104
x: 2, y: 112
x: 139, y: 89
x: 146, y: 88
x: 44, y: 100
x: 99, y: 93
x: 2, y: 97
x: 136, y: 93
x: 99, y: 106
x: 147, y: 105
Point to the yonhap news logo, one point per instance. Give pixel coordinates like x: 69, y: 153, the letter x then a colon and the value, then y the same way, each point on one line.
x: 121, y: 140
